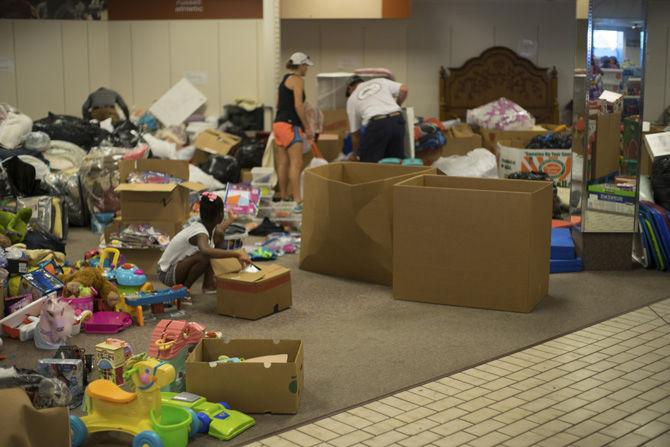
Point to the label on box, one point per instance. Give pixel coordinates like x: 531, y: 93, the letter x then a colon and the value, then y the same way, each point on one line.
x: 611, y: 203
x: 556, y: 163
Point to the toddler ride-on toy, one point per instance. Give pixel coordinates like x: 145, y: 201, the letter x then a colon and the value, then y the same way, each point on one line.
x: 141, y: 414
x: 217, y: 420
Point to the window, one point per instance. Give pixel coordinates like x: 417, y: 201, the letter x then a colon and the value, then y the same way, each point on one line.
x: 608, y: 43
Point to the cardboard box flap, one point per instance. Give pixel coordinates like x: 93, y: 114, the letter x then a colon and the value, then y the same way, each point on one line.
x: 211, y: 349
x: 193, y: 186
x: 364, y: 173
x: 224, y: 266
x: 146, y: 187
x: 476, y: 184
x: 229, y: 269
x: 216, y: 142
x: 175, y: 168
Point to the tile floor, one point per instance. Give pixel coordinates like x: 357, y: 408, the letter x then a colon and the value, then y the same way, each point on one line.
x: 608, y: 384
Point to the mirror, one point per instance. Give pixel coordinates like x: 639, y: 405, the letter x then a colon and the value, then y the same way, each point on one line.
x: 607, y: 118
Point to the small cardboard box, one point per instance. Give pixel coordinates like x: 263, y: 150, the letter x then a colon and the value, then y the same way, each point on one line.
x: 330, y: 145
x: 251, y: 295
x: 348, y: 217
x: 607, y: 151
x: 472, y: 242
x: 514, y: 157
x: 245, y: 176
x: 248, y: 387
x: 151, y: 202
x: 144, y: 258
x: 461, y: 145
x: 490, y: 137
x: 213, y: 142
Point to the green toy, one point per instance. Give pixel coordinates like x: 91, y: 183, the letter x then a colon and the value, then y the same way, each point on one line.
x: 217, y: 420
x: 15, y: 226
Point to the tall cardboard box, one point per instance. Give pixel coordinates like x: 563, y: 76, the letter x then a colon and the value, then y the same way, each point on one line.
x: 347, y: 219
x: 472, y: 242
x: 336, y: 121
x: 152, y: 202
x: 248, y: 387
x: 607, y: 152
x: 251, y: 295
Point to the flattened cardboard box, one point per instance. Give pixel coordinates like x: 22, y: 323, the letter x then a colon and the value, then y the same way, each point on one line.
x: 348, y: 217
x: 248, y: 387
x: 251, y: 295
x: 490, y: 137
x: 213, y: 142
x: 483, y: 243
x: 150, y: 202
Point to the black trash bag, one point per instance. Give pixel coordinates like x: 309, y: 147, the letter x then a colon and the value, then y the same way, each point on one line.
x: 126, y: 134
x: 224, y: 168
x: 21, y: 176
x: 558, y: 208
x: 243, y: 119
x: 72, y: 129
x: 37, y: 239
x: 250, y: 155
x: 554, y: 140
x: 8, y: 153
x: 660, y: 181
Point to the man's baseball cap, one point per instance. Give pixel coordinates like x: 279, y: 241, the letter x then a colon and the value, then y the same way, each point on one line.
x: 300, y: 59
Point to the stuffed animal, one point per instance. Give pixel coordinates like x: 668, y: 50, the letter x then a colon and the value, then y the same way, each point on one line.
x: 15, y: 226
x: 92, y: 277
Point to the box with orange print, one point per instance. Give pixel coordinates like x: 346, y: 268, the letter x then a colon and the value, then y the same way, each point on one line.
x: 514, y: 157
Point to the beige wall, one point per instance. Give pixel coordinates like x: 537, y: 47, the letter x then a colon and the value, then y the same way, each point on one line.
x: 440, y: 32
x: 657, y: 61
x: 57, y: 63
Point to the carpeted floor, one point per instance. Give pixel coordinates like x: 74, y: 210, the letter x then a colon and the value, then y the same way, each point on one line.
x: 361, y: 344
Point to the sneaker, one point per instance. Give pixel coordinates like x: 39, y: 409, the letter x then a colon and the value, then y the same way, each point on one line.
x: 297, y: 209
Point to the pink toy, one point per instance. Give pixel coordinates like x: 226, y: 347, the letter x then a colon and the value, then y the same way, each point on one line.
x: 107, y: 322
x: 80, y: 304
x: 55, y: 326
x: 171, y: 336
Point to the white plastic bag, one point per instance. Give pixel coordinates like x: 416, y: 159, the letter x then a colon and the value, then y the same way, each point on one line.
x: 501, y: 114
x: 13, y: 129
x: 197, y: 175
x: 477, y: 163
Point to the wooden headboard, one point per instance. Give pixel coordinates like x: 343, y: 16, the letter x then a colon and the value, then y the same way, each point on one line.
x: 495, y: 73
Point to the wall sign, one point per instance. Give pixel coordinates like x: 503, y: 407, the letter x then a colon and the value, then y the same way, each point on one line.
x: 185, y: 9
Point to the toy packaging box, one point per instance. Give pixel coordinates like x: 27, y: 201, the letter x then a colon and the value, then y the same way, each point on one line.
x: 70, y: 371
x: 40, y: 283
x: 514, y: 157
x: 248, y: 387
x: 253, y: 293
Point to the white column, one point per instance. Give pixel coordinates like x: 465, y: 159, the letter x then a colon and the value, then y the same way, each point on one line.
x: 270, y: 56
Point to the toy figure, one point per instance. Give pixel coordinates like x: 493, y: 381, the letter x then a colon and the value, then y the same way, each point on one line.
x: 93, y: 277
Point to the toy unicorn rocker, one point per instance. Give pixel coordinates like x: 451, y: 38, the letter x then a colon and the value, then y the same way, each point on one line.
x: 109, y: 408
x: 57, y: 323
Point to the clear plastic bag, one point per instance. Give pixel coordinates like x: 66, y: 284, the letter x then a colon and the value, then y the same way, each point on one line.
x: 99, y: 177
x: 66, y: 185
x: 38, y: 141
x: 477, y: 163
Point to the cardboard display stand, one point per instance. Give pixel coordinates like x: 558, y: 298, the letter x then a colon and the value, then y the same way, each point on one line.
x: 249, y: 387
x: 346, y: 224
x: 251, y: 295
x: 472, y: 242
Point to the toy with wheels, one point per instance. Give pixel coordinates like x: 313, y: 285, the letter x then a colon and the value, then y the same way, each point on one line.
x: 217, y: 420
x: 131, y: 279
x: 141, y: 414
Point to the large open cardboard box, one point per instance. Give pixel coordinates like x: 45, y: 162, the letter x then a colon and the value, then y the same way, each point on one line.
x: 151, y: 202
x: 461, y: 145
x: 247, y: 387
x: 347, y: 219
x: 472, y: 242
x: 251, y: 295
x: 336, y: 121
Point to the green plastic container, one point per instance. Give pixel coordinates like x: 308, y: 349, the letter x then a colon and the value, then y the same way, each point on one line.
x: 173, y: 426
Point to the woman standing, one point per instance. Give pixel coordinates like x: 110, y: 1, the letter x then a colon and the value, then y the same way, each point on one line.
x: 289, y: 127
